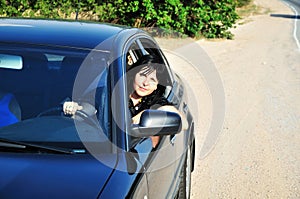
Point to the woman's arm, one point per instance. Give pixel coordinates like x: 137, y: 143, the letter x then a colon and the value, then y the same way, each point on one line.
x: 170, y: 108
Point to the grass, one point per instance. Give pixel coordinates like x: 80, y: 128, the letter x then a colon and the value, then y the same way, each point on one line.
x: 250, y: 9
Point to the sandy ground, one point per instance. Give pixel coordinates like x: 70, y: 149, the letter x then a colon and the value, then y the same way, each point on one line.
x: 257, y: 153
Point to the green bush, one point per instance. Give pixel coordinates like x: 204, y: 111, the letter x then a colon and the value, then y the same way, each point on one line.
x: 208, y: 18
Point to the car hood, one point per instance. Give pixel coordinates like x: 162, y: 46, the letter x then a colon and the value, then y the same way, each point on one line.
x: 53, y: 176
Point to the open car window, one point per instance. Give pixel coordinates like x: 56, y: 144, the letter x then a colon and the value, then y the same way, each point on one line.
x: 136, y: 51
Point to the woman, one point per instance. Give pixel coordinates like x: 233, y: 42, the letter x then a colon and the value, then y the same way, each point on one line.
x: 148, y: 89
x: 145, y: 77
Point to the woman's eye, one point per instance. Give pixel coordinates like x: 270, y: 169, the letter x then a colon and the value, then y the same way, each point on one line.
x: 152, y: 81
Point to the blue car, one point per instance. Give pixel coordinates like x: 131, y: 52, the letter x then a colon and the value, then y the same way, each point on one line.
x: 45, y: 153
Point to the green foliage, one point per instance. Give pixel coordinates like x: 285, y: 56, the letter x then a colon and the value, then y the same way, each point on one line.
x: 13, y: 8
x: 208, y: 18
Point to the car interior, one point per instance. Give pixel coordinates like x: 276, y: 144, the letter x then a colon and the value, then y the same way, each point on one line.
x: 46, y: 80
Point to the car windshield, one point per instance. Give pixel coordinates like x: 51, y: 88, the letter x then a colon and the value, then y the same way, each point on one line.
x: 35, y: 81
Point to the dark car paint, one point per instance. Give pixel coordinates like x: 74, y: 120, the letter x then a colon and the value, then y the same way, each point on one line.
x: 57, y: 33
x: 42, y: 175
x: 123, y: 179
x: 75, y: 176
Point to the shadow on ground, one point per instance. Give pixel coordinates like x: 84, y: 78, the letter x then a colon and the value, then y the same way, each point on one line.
x: 289, y: 16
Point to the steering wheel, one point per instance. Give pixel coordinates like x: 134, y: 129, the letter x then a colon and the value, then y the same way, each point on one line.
x: 51, y: 111
x: 80, y: 113
x: 86, y: 117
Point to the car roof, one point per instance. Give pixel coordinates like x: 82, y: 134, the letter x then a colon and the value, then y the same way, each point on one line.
x: 75, y: 34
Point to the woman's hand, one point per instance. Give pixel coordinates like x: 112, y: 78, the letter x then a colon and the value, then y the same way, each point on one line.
x: 70, y: 108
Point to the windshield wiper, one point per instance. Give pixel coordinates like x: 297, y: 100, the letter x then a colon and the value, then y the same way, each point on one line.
x: 32, y: 147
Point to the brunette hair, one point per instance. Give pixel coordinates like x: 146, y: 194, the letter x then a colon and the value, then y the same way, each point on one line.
x: 152, y: 63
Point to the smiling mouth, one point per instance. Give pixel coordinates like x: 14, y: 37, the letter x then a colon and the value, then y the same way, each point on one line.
x: 143, y: 89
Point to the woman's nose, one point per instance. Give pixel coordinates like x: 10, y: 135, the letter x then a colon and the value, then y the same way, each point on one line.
x: 146, y: 82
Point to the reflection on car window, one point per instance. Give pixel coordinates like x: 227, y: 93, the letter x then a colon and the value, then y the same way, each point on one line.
x: 54, y: 61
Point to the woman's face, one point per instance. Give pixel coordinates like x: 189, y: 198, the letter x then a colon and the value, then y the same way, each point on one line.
x: 145, y: 82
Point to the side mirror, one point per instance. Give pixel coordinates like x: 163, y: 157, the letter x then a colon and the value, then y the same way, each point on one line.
x: 157, y: 122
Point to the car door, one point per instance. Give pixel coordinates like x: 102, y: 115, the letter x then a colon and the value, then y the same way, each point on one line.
x: 159, y: 163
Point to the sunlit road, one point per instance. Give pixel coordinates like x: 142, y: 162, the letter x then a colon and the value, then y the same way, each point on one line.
x: 295, y: 6
x: 257, y: 153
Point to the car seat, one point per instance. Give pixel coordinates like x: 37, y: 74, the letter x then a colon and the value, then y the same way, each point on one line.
x: 69, y: 69
x: 29, y: 85
x: 10, y: 111
x: 34, y: 77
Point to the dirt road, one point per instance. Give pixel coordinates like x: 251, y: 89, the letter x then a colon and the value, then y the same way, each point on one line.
x: 257, y: 153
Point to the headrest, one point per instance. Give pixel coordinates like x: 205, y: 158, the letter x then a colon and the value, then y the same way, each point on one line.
x: 35, y: 61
